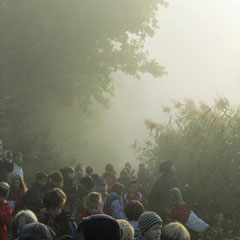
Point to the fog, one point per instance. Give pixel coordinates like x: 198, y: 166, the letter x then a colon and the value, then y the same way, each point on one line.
x: 198, y: 43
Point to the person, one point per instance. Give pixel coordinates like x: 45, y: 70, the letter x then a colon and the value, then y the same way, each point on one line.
x: 5, y: 210
x: 101, y: 187
x: 175, y: 231
x: 95, y: 176
x: 114, y: 205
x: 177, y: 209
x: 130, y: 170
x: 80, y: 202
x: 16, y: 193
x: 6, y: 166
x: 159, y: 194
x: 17, y: 169
x: 22, y: 218
x: 56, y: 217
x: 69, y: 187
x: 35, y: 231
x: 109, y: 176
x: 32, y: 199
x: 124, y: 178
x: 133, y: 194
x: 99, y: 227
x: 55, y: 180
x: 94, y: 206
x: 133, y: 211
x: 89, y: 171
x: 150, y: 225
x: 144, y: 177
x: 127, y: 229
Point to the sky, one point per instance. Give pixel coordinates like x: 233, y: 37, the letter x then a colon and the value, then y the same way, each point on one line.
x: 198, y: 43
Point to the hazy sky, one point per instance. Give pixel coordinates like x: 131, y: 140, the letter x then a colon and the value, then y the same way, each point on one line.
x: 198, y: 43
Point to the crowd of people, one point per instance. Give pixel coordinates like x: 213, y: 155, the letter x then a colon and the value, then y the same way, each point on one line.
x: 82, y: 204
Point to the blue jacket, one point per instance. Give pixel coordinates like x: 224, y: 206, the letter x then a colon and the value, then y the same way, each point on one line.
x: 117, y: 207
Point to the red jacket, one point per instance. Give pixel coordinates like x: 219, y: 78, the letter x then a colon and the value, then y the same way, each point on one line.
x: 86, y: 214
x: 177, y: 212
x: 5, y: 218
x: 138, y: 196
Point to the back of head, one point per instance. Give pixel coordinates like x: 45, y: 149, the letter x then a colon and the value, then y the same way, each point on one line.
x: 56, y: 177
x: 41, y: 175
x: 133, y: 210
x: 175, y: 231
x: 26, y: 217
x: 176, y: 196
x: 55, y: 198
x: 88, y: 182
x: 4, y: 190
x: 34, y: 231
x: 99, y: 227
x: 117, y: 188
x: 127, y: 229
x: 109, y: 168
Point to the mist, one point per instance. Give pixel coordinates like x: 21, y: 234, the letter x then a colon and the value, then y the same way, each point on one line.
x: 198, y: 43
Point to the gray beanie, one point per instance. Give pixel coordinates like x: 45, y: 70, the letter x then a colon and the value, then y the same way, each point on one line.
x: 147, y: 220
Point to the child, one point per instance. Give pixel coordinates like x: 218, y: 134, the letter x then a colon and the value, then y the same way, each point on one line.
x: 109, y: 176
x: 89, y: 171
x: 33, y: 197
x: 5, y: 210
x: 133, y: 194
x: 56, y: 217
x: 94, y: 206
x: 16, y: 192
x: 177, y: 210
x: 133, y: 211
x: 175, y: 231
x: 101, y: 187
x: 55, y: 180
x: 114, y: 206
x: 124, y: 178
x: 150, y: 225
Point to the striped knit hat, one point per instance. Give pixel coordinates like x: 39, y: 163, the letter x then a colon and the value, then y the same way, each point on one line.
x: 148, y: 219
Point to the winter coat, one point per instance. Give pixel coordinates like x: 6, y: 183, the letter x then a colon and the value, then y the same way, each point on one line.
x: 117, y: 206
x: 127, y: 197
x: 177, y: 212
x: 86, y: 214
x: 5, y: 218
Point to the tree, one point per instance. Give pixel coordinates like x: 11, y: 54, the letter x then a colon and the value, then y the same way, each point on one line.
x: 57, y: 58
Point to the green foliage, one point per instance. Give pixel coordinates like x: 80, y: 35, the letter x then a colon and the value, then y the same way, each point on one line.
x: 57, y: 59
x: 203, y: 141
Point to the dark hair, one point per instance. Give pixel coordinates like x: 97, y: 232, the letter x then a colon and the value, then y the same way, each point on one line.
x: 22, y: 186
x: 56, y: 177
x: 133, y: 210
x: 88, y: 182
x: 117, y: 188
x: 68, y: 170
x: 41, y: 175
x: 55, y: 198
x: 93, y: 197
x: 89, y: 170
x: 165, y: 166
x: 95, y: 176
x: 133, y: 181
x: 109, y: 167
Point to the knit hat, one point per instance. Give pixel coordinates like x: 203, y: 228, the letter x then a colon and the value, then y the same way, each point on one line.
x: 100, y: 227
x: 147, y: 220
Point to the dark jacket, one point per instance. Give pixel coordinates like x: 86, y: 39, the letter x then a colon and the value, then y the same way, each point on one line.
x: 5, y: 168
x: 32, y: 199
x: 159, y: 194
x: 70, y: 189
x: 62, y: 225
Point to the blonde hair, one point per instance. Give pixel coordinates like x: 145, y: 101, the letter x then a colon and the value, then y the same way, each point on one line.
x: 128, y: 230
x: 175, y: 231
x: 176, y: 196
x: 93, y: 197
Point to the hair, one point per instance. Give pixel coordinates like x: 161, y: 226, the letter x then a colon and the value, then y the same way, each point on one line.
x: 131, y: 182
x: 55, y: 198
x: 88, y: 182
x: 68, y: 170
x: 133, y: 210
x: 128, y: 230
x: 175, y: 231
x: 29, y: 217
x: 41, y: 175
x: 124, y: 172
x: 109, y: 167
x: 117, y: 188
x: 95, y: 176
x: 89, y: 170
x: 4, y: 189
x: 93, y: 197
x: 79, y: 167
x: 56, y: 177
x: 22, y: 185
x: 176, y: 196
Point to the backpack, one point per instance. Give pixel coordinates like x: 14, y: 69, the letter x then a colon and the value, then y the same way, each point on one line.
x: 108, y: 206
